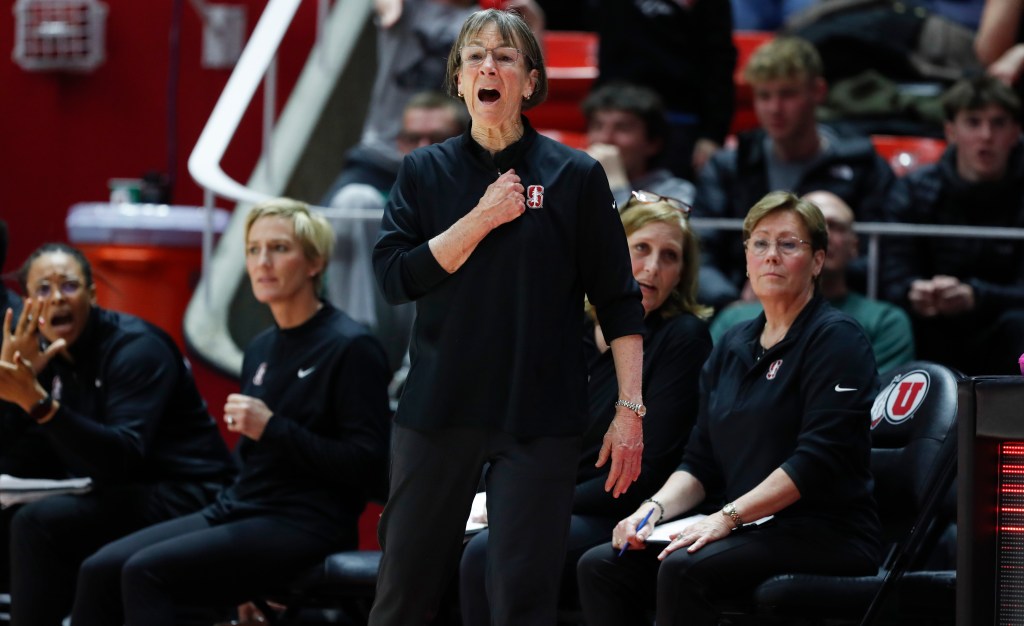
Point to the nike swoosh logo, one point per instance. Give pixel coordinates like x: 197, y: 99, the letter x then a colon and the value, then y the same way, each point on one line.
x: 842, y: 389
x: 303, y: 373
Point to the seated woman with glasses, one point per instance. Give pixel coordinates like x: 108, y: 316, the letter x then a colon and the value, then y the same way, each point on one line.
x: 665, y: 260
x: 115, y: 401
x: 782, y: 431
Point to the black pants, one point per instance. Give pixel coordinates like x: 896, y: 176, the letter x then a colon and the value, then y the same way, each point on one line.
x: 585, y: 532
x: 685, y: 587
x: 433, y: 478
x: 6, y: 515
x: 50, y: 539
x: 186, y: 562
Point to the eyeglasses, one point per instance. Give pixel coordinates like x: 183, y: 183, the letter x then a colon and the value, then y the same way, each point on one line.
x: 787, y: 246
x: 67, y: 287
x: 649, y: 197
x: 502, y: 55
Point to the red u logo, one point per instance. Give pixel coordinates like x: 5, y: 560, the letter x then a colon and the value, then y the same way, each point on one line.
x: 906, y: 394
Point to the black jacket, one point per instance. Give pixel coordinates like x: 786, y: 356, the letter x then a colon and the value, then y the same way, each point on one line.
x: 498, y: 344
x: 674, y: 352
x: 805, y: 407
x: 129, y: 408
x: 323, y: 453
x: 935, y: 194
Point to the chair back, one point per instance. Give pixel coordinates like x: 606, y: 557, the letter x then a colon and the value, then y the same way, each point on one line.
x: 913, y: 438
x: 913, y: 459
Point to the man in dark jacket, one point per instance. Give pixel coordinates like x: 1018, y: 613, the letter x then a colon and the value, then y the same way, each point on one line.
x: 965, y: 295
x: 790, y: 151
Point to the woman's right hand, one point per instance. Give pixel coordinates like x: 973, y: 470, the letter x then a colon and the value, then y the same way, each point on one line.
x: 23, y: 339
x: 625, y: 531
x: 503, y: 201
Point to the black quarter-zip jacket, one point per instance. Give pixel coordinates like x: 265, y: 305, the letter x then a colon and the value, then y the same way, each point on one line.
x: 804, y: 406
x: 130, y: 411
x: 325, y: 447
x: 498, y: 344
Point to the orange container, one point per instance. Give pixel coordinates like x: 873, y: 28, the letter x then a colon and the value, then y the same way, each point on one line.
x: 146, y: 259
x: 150, y: 282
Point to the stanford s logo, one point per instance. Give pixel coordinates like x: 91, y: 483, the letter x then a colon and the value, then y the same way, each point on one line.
x: 257, y: 378
x: 901, y: 398
x: 535, y: 197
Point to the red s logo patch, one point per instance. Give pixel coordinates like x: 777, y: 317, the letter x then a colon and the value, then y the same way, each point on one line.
x: 535, y: 197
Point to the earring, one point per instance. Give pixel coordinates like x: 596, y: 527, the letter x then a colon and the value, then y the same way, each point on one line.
x: 460, y: 94
x: 747, y: 273
x: 527, y: 96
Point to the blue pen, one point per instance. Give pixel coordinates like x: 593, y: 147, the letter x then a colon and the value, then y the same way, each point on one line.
x: 643, y: 523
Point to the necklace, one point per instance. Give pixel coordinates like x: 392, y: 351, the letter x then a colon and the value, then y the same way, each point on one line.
x: 759, y: 351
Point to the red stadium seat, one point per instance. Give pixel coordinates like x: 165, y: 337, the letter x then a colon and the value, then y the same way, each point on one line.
x: 746, y: 41
x: 569, y: 138
x: 905, y: 154
x: 571, y: 59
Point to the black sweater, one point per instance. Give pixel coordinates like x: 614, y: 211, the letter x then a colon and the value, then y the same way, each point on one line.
x: 324, y: 449
x: 129, y: 408
x: 674, y: 351
x: 805, y: 407
x: 498, y: 343
x: 936, y: 194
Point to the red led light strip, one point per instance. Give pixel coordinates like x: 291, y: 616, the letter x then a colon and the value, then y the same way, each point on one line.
x: 1010, y: 534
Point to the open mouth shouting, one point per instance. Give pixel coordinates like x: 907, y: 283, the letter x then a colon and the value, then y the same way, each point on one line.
x: 62, y: 322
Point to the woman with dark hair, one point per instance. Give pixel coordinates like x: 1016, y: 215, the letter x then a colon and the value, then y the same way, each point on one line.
x: 665, y: 259
x: 313, y: 417
x: 497, y: 235
x: 114, y: 400
x: 782, y: 431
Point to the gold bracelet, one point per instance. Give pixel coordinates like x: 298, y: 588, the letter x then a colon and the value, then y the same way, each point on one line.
x: 661, y: 508
x: 730, y: 511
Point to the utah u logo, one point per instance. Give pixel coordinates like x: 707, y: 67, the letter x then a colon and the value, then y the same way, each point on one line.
x: 535, y: 197
x: 901, y: 398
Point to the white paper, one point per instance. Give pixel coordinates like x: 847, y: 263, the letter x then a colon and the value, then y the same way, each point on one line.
x: 477, y: 519
x: 14, y: 490
x: 663, y: 532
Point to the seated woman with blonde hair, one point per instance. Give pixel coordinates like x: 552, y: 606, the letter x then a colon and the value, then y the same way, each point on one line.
x: 313, y: 418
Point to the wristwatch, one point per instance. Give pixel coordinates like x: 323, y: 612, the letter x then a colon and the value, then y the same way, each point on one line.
x: 40, y: 409
x: 635, y: 407
x: 730, y: 511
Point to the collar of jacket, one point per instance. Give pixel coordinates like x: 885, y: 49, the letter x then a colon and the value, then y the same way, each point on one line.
x: 505, y: 159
